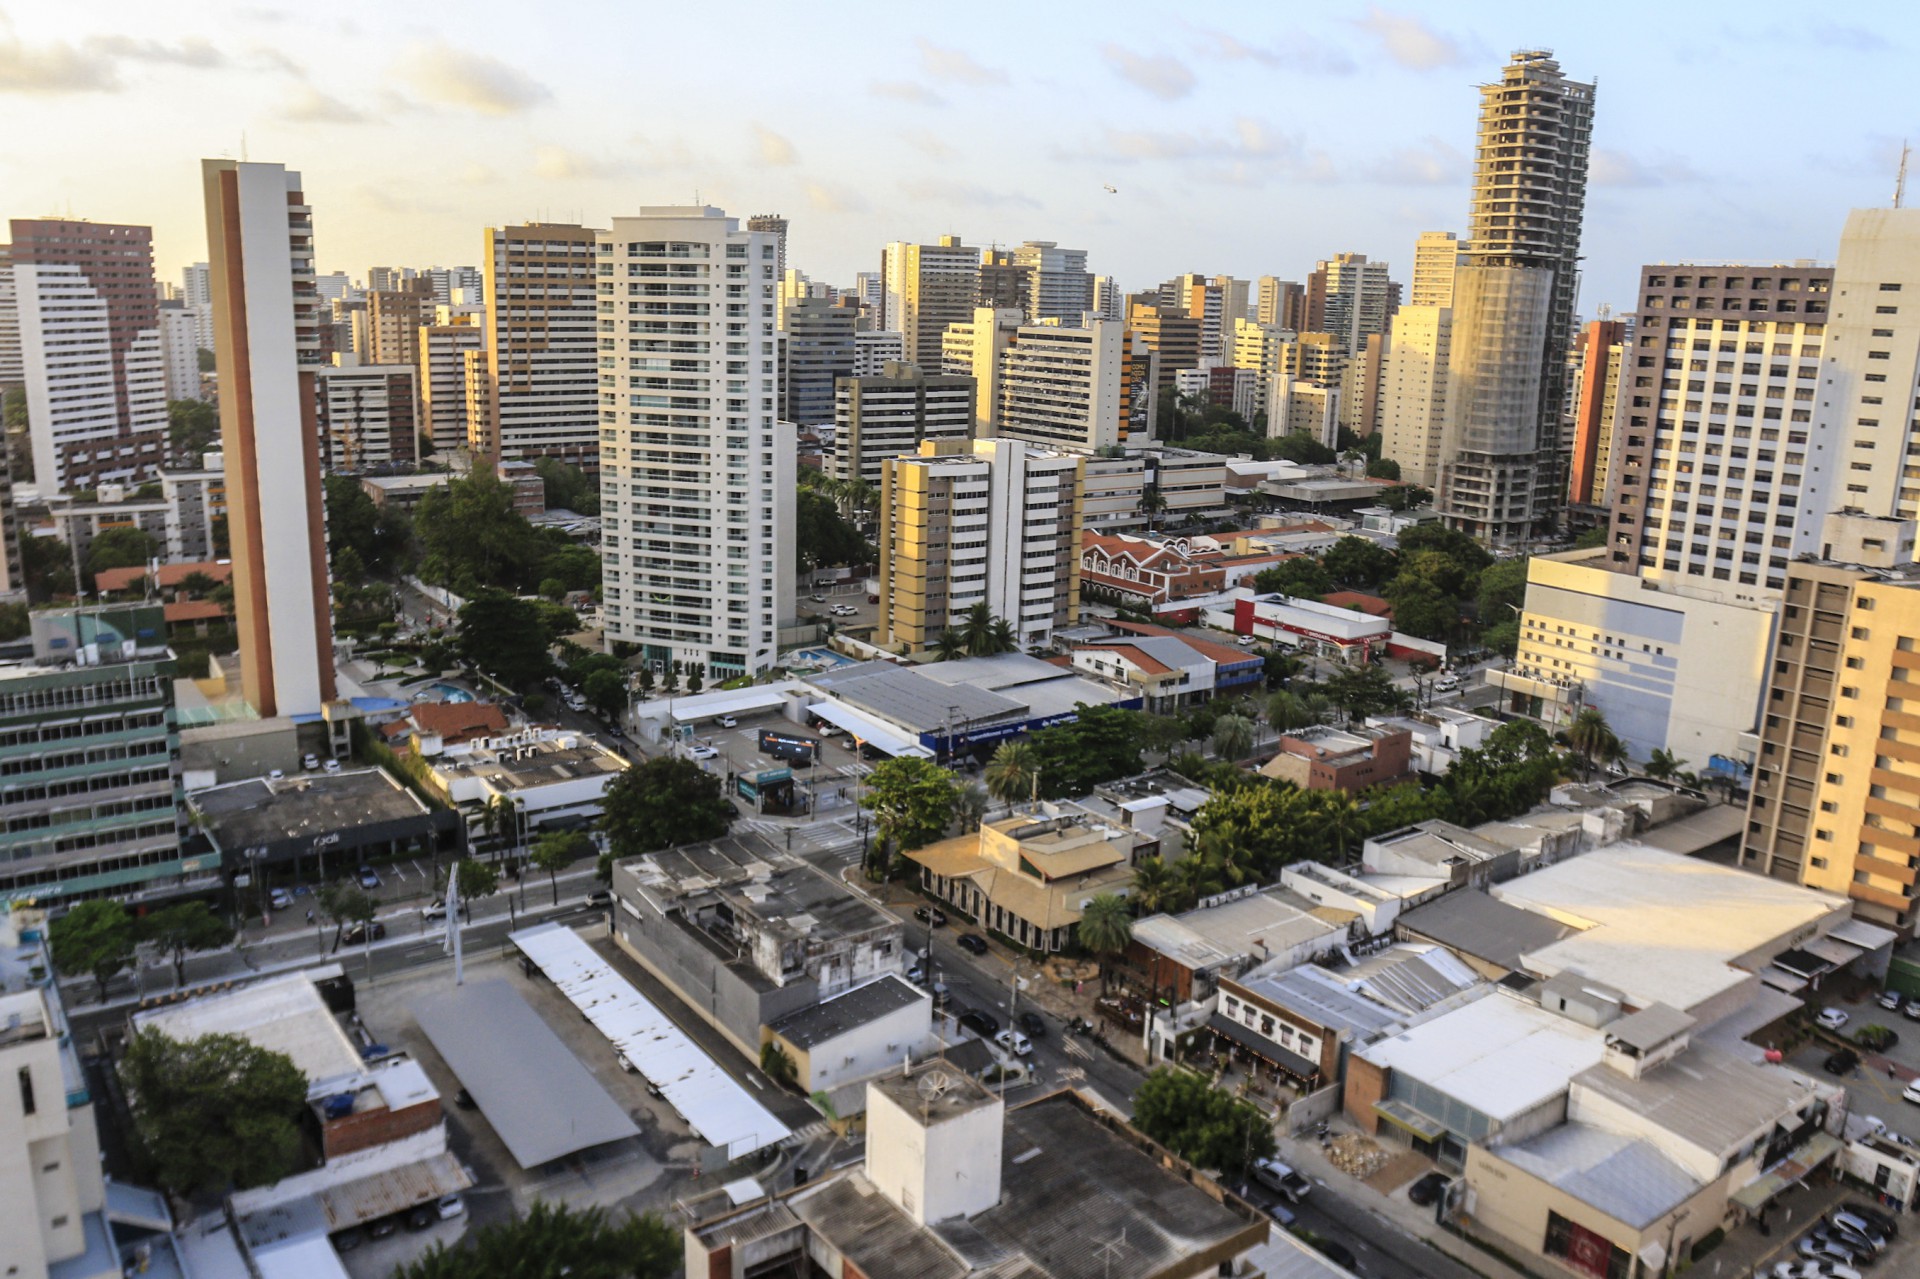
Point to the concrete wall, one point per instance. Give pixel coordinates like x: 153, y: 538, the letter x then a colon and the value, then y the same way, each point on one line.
x: 866, y: 1050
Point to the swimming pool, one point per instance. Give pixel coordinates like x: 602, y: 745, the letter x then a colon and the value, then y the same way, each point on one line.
x: 818, y: 658
x: 450, y: 692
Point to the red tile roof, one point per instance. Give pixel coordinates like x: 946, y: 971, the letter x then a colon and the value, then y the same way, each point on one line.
x: 455, y: 722
x: 168, y: 577
x: 193, y: 611
x: 1151, y: 665
x: 1205, y: 647
x: 1372, y: 605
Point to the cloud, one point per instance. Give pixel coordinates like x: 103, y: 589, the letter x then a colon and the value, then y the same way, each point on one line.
x: 1165, y: 77
x: 966, y: 194
x: 834, y: 199
x: 1434, y: 162
x: 310, y: 106
x: 561, y: 164
x: 1618, y: 169
x: 1835, y: 35
x: 774, y: 149
x: 475, y: 174
x: 1410, y: 41
x: 906, y: 91
x: 928, y: 143
x: 1248, y: 154
x: 1297, y: 52
x: 956, y: 66
x: 193, y: 51
x: 471, y: 81
x: 54, y: 68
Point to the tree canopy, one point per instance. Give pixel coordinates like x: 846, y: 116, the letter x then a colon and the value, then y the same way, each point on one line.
x: 213, y: 1113
x: 95, y: 938
x: 378, y: 536
x: 660, y: 803
x: 568, y: 487
x: 912, y: 801
x: 1355, y: 561
x: 182, y: 928
x: 1204, y: 1125
x: 506, y: 637
x: 1302, y: 577
x: 121, y: 547
x: 193, y: 427
x: 1104, y: 743
x: 822, y: 536
x: 552, y: 1241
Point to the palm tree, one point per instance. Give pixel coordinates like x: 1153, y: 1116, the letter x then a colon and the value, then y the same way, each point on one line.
x: 1153, y: 885
x: 1662, y: 764
x: 1287, y: 711
x: 1105, y: 928
x: 1197, y: 876
x: 1151, y: 504
x: 1232, y: 737
x: 1590, y: 735
x: 1011, y: 773
x: 970, y: 806
x: 1341, y: 819
x: 979, y: 630
x: 949, y: 645
x: 1004, y: 640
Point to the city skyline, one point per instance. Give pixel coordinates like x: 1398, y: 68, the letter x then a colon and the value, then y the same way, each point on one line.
x: 1237, y: 143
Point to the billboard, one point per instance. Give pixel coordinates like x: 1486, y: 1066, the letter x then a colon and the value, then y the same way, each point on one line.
x: 789, y: 746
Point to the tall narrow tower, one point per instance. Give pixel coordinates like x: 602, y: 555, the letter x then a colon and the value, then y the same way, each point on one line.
x: 1503, y: 466
x: 266, y: 325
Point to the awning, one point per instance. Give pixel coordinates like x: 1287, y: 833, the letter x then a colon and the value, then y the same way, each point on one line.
x: 1401, y: 1115
x: 1858, y: 932
x: 1839, y: 954
x: 1291, y: 1062
x: 691, y: 710
x: 1762, y: 1190
x: 875, y: 733
x: 1802, y: 962
x: 1782, y: 980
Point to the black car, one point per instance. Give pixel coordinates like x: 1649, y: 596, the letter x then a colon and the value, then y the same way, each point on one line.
x: 971, y: 943
x: 1841, y: 1062
x: 422, y: 1218
x: 1428, y: 1189
x: 932, y: 916
x: 383, y: 1227
x: 1337, y: 1253
x: 1876, y: 1038
x: 985, y: 1025
x: 354, y: 934
x: 463, y: 1099
x: 1031, y: 1026
x: 1879, y: 1220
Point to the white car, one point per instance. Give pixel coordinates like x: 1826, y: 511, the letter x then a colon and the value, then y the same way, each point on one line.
x: 1014, y: 1042
x: 451, y: 1206
x: 1446, y: 683
x: 703, y: 752
x: 727, y: 721
x: 332, y: 766
x: 1912, y: 1093
x: 1834, y: 1018
x: 1248, y: 641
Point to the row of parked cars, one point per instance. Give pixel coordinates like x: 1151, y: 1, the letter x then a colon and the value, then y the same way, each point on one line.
x: 1850, y: 1237
x: 421, y: 1217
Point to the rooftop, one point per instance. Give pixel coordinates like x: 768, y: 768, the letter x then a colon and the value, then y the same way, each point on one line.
x: 458, y: 721
x: 1439, y: 843
x: 832, y: 1018
x: 535, y: 764
x: 1501, y: 1055
x: 1256, y: 925
x: 284, y: 1014
x: 1705, y: 1095
x: 1476, y: 924
x: 1661, y: 927
x: 1626, y: 1178
x: 757, y: 877
x: 916, y: 701
x: 264, y: 811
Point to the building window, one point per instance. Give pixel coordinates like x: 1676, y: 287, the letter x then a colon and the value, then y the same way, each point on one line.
x: 26, y: 1091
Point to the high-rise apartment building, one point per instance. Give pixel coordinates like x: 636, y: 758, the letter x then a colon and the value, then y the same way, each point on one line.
x: 874, y: 349
x: 1602, y: 356
x: 1362, y: 386
x: 1174, y: 339
x: 1436, y: 254
x: 197, y: 293
x: 972, y: 348
x: 1005, y: 284
x: 388, y: 279
x: 440, y: 374
x: 1866, y: 433
x: 993, y: 522
x: 890, y: 414
x: 394, y: 318
x: 91, y: 356
x: 366, y: 415
x: 267, y: 353
x: 456, y: 285
x: 1206, y: 301
x: 1063, y: 388
x: 1237, y: 299
x: 697, y: 480
x: 1503, y: 470
x: 542, y: 395
x: 1059, y: 287
x: 1413, y: 392
x: 180, y: 351
x: 1836, y: 785
x: 1108, y: 302
x: 926, y: 287
x: 1281, y: 304
x: 12, y: 372
x: 775, y: 225
x: 819, y: 351
x: 1354, y: 299
x: 1713, y: 465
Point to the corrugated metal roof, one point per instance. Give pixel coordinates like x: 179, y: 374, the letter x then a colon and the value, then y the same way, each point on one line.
x: 716, y: 1105
x: 385, y: 1193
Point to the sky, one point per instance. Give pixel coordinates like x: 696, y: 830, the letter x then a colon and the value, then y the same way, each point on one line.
x: 1246, y: 139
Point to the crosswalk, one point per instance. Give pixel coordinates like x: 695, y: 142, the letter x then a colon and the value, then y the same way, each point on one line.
x: 855, y: 769
x: 807, y: 836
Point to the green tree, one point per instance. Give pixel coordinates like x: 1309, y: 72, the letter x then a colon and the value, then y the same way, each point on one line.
x: 949, y: 645
x: 979, y: 631
x: 96, y: 938
x: 1364, y: 690
x: 1267, y: 825
x: 970, y: 806
x: 1355, y: 561
x: 506, y: 637
x: 1301, y: 577
x: 1232, y: 737
x: 15, y: 621
x: 557, y: 850
x: 1406, y: 497
x: 661, y: 803
x: 568, y: 487
x: 47, y: 564
x: 1663, y: 764
x: 1102, y: 744
x: 353, y: 521
x: 1420, y: 608
x: 822, y: 536
x: 1297, y: 446
x: 573, y: 566
x: 1207, y: 1127
x: 606, y: 692
x: 1503, y: 588
x: 471, y: 538
x: 1383, y: 468
x: 1153, y: 885
x: 1592, y: 736
x: 475, y: 880
x: 121, y: 547
x: 215, y: 1113
x: 912, y: 801
x: 193, y: 427
x: 1105, y: 928
x: 553, y: 1241
x: 1011, y: 772
x: 182, y: 928
x: 1286, y: 710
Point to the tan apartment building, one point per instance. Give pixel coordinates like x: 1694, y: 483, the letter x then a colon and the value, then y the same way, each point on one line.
x: 924, y: 288
x: 541, y: 384
x: 441, y: 374
x: 992, y: 522
x: 394, y: 318
x: 890, y: 414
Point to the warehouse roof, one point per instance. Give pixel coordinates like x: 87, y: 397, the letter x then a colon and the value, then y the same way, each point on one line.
x: 1501, y: 1055
x: 829, y: 1019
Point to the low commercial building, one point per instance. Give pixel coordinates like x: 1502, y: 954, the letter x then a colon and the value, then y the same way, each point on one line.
x: 1309, y: 626
x: 847, y: 1039
x: 745, y: 934
x: 1181, y: 959
x: 1439, y: 734
x: 552, y: 780
x: 1029, y: 877
x: 1442, y: 851
x: 1165, y: 668
x: 957, y: 1185
x: 1328, y: 758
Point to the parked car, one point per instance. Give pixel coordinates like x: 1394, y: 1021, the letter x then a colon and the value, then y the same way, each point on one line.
x: 369, y: 878
x: 1912, y: 1093
x: 932, y: 916
x: 1338, y: 1253
x: 1841, y: 1062
x: 701, y: 751
x: 422, y: 1218
x: 1031, y: 1023
x: 1014, y: 1042
x: 1281, y: 1179
x: 1834, y: 1018
x: 1912, y: 1011
x: 279, y: 898
x: 600, y: 897
x: 1852, y: 1223
x: 1814, y: 1270
x: 310, y: 761
x: 1889, y: 1000
x: 972, y: 943
x: 332, y: 766
x: 356, y: 933
x: 435, y: 909
x: 1428, y: 1189
x: 621, y: 1060
x: 463, y: 1099
x: 983, y: 1024
x: 727, y: 721
x: 1826, y: 1249
x: 819, y: 599
x: 1875, y: 1038
x: 1247, y: 641
x: 827, y: 730
x: 1881, y: 1221
x: 383, y: 1227
x: 347, y: 1240
x: 450, y: 1206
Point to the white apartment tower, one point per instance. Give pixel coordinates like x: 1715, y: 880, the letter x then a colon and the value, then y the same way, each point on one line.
x: 1061, y: 388
x: 926, y: 287
x: 1503, y: 463
x: 12, y: 373
x: 1359, y: 295
x: 1436, y: 254
x: 697, y: 471
x: 1413, y: 391
x: 180, y: 351
x: 441, y: 375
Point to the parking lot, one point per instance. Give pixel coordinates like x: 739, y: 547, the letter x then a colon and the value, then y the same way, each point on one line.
x: 1875, y: 1086
x: 838, y: 767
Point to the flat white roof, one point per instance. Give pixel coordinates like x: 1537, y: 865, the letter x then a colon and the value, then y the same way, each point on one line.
x: 1661, y: 927
x: 731, y: 702
x: 716, y: 1105
x: 1501, y: 1055
x: 874, y: 732
x: 283, y: 1014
